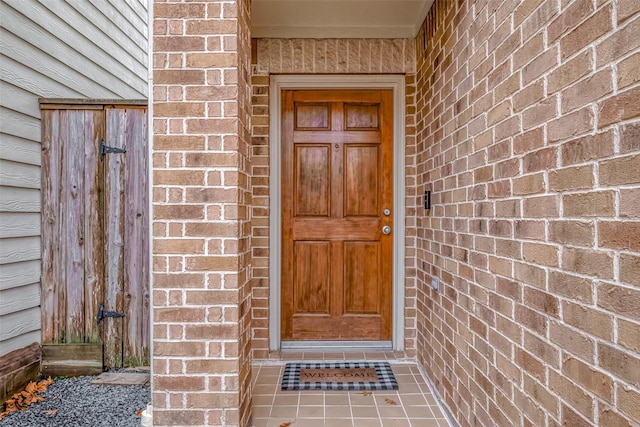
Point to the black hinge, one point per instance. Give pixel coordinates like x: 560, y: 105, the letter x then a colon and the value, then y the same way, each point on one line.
x: 102, y: 313
x: 105, y: 149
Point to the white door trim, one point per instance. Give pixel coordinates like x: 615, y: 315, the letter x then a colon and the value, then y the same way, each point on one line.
x: 277, y: 84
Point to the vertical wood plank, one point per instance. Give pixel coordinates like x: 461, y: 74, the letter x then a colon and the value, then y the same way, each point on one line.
x: 73, y: 214
x: 50, y: 206
x: 93, y: 291
x: 113, y: 238
x: 59, y: 247
x: 136, y: 241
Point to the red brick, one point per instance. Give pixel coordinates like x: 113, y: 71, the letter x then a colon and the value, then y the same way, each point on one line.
x: 211, y: 60
x: 629, y: 402
x: 178, y: 142
x: 621, y: 300
x: 528, y: 184
x: 573, y: 419
x: 629, y: 335
x: 597, y: 203
x: 569, y: 125
x: 540, y: 113
x: 629, y: 202
x: 589, y: 320
x: 540, y: 160
x: 594, y: 381
x: 584, y: 34
x: 567, y: 179
x: 178, y: 44
x: 528, y: 141
x: 541, y: 301
x: 569, y: 72
x: 588, y: 262
x: 571, y: 393
x: 211, y: 26
x: 541, y: 254
x: 619, y: 235
x: 174, y: 212
x: 178, y: 11
x: 541, y: 207
x: 529, y: 95
x: 570, y: 17
x: 630, y: 136
x: 178, y: 417
x: 587, y: 148
x: 178, y: 246
x: 627, y: 9
x: 572, y: 341
x: 628, y: 70
x: 178, y: 177
x: 182, y: 77
x: 530, y: 364
x: 630, y: 269
x: 619, y: 43
x: 623, y: 106
x: 622, y: 364
x: 621, y: 170
x: 540, y: 65
x: 588, y: 90
x: 611, y: 418
x: 579, y: 233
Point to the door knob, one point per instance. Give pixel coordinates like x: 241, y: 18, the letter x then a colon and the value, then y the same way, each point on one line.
x: 386, y: 230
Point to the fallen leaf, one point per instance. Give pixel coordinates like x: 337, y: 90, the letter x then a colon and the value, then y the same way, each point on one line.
x: 139, y: 412
x: 286, y: 424
x: 390, y: 401
x: 366, y: 393
x: 21, y: 400
x: 51, y: 411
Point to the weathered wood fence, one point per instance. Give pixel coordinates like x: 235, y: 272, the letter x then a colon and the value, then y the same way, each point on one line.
x: 95, y: 232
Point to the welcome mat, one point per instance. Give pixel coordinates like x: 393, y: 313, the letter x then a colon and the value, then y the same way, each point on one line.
x: 339, y: 376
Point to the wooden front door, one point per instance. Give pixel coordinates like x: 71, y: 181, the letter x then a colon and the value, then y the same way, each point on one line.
x: 95, y: 235
x: 337, y: 170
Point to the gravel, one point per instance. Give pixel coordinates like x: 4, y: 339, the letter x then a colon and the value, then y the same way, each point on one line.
x: 79, y: 403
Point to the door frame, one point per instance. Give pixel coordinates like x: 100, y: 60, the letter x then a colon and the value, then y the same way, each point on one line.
x: 279, y: 82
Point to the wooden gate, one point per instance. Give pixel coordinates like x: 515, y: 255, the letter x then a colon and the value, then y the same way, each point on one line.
x: 95, y: 236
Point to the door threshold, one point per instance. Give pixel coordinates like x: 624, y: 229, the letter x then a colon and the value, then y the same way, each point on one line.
x: 336, y: 345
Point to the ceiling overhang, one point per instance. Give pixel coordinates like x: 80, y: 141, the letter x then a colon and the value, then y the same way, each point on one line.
x: 338, y: 18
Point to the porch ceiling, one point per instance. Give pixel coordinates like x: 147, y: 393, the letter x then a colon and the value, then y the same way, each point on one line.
x: 338, y: 18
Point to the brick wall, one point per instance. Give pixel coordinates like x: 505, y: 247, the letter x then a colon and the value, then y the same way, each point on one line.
x: 528, y: 136
x: 314, y: 56
x: 201, y: 214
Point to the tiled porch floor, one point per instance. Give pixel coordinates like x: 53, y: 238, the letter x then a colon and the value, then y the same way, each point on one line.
x: 412, y: 405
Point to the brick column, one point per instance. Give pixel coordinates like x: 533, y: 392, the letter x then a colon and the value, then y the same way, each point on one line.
x: 201, y: 213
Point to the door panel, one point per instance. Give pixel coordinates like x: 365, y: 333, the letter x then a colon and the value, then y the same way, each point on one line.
x: 312, y: 174
x: 337, y: 150
x: 312, y: 277
x: 361, y: 170
x: 361, y: 278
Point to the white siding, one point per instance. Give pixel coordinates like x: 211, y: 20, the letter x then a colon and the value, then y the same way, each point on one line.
x: 51, y: 49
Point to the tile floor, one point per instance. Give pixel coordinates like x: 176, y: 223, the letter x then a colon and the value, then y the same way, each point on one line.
x: 412, y: 405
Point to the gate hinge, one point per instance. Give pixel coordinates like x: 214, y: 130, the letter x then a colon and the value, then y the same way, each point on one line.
x: 105, y: 149
x: 102, y: 313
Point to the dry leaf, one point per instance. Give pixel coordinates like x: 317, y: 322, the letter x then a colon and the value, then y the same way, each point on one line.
x: 286, y: 424
x: 390, y: 401
x: 139, y: 412
x: 51, y: 411
x: 20, y: 401
x: 366, y: 393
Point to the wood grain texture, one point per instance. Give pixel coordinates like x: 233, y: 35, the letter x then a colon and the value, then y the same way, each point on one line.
x: 336, y: 262
x: 113, y: 220
x: 71, y: 359
x: 19, y: 274
x: 136, y: 331
x: 95, y: 217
